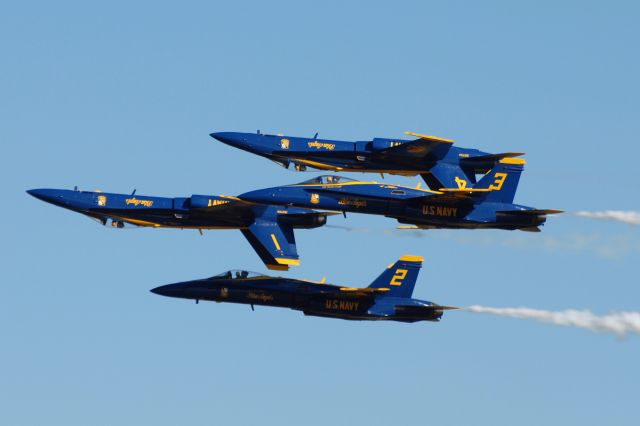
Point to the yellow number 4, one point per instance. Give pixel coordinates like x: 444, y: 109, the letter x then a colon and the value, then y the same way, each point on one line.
x: 399, y: 276
x: 497, y: 184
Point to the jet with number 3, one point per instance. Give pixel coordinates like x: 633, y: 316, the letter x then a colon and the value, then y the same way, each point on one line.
x: 440, y: 164
x: 388, y: 297
x: 489, y: 204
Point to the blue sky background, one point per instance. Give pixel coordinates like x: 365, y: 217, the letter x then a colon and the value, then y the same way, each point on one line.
x: 119, y: 96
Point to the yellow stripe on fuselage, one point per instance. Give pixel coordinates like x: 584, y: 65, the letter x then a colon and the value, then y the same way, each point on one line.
x: 339, y: 185
x: 325, y: 166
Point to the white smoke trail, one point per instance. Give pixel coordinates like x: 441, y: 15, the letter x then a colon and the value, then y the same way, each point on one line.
x: 602, y: 245
x: 628, y: 217
x: 619, y: 323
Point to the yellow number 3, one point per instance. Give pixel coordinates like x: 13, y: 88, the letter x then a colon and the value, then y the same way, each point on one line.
x: 399, y: 276
x: 497, y: 184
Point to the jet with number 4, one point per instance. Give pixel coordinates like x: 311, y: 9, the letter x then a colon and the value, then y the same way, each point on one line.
x: 269, y: 229
x: 489, y: 204
x: 440, y: 164
x: 387, y: 298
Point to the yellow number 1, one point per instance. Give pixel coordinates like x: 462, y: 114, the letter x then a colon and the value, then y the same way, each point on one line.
x: 399, y: 276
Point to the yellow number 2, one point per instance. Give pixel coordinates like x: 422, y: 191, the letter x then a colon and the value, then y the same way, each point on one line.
x: 399, y: 276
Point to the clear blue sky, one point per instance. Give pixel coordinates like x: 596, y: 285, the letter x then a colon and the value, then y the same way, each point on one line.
x: 117, y: 95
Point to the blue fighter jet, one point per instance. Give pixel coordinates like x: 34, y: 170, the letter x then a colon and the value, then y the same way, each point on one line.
x: 387, y: 298
x: 489, y: 204
x: 439, y: 163
x: 269, y: 229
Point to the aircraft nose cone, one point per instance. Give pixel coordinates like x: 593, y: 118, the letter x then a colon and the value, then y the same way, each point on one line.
x: 229, y: 138
x: 169, y: 290
x: 47, y: 195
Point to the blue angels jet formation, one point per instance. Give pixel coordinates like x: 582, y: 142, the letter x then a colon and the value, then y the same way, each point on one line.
x: 457, y: 199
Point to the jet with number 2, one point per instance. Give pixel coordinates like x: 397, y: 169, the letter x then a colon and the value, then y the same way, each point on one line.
x: 387, y: 298
x: 440, y: 164
x: 489, y: 204
x: 269, y: 229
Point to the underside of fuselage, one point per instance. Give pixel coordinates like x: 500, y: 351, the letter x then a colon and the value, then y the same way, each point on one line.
x: 370, y: 317
x: 462, y: 224
x: 169, y: 219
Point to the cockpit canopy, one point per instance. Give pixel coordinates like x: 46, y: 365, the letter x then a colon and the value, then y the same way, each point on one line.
x: 236, y: 274
x: 327, y: 180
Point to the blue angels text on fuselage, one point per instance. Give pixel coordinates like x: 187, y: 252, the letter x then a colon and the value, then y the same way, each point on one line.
x: 388, y: 297
x: 489, y: 204
x: 269, y: 229
x: 441, y: 164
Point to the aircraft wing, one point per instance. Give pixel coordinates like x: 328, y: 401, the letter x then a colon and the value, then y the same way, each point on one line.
x: 484, y: 163
x: 274, y: 243
x: 417, y: 149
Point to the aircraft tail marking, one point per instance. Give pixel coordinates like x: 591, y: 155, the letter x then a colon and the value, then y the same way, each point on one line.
x: 400, y: 277
x: 502, y: 180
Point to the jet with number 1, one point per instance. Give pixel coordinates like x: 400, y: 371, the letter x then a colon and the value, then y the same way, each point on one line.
x: 388, y: 297
x: 440, y: 164
x: 489, y: 204
x: 269, y: 229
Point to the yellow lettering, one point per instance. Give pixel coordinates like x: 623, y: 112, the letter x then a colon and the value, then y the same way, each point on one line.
x: 318, y: 145
x: 499, y: 181
x: 136, y: 202
x: 461, y: 183
x: 399, y: 276
x: 213, y: 203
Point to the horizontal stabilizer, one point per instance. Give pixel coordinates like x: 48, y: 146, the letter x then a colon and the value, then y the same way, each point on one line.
x: 484, y: 163
x: 533, y: 212
x: 465, y: 190
x: 417, y: 312
x: 410, y: 308
x: 414, y: 227
x: 530, y: 229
